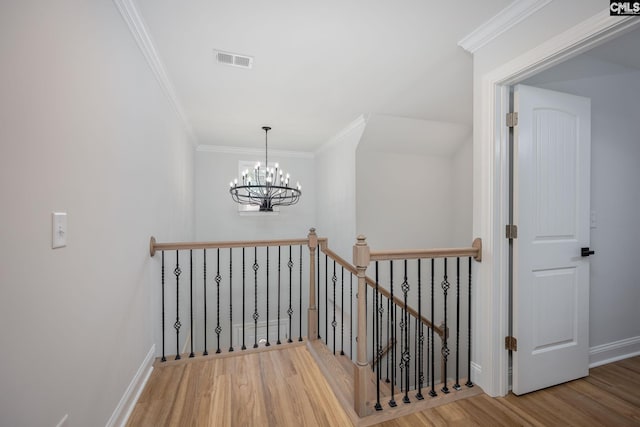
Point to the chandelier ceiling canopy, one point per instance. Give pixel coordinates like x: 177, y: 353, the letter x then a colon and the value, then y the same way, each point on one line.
x: 264, y: 186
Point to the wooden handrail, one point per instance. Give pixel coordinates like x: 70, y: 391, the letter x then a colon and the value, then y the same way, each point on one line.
x: 474, y: 251
x: 372, y: 284
x: 155, y: 246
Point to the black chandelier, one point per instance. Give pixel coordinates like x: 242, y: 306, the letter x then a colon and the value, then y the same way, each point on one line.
x: 265, y: 187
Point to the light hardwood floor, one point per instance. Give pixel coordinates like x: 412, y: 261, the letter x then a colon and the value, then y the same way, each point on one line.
x: 609, y: 396
x: 286, y: 388
x: 272, y: 388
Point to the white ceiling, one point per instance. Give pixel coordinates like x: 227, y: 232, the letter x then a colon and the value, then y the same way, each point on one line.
x: 317, y: 65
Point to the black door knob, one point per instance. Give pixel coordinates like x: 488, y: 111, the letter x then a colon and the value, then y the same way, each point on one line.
x: 587, y: 252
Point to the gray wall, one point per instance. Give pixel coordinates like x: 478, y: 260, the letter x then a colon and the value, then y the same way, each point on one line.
x: 84, y: 129
x: 614, y: 320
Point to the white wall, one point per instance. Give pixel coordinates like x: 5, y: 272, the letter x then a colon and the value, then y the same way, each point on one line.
x: 404, y: 200
x: 84, y: 129
x: 217, y: 216
x: 336, y: 189
x: 462, y: 194
x: 615, y: 155
x: 415, y: 200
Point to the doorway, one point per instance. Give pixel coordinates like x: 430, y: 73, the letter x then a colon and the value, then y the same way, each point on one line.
x: 573, y: 43
x: 609, y: 75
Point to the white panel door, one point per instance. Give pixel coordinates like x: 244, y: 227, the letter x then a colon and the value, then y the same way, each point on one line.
x: 552, y: 152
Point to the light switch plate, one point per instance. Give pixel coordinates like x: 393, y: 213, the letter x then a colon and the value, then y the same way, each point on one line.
x: 58, y: 230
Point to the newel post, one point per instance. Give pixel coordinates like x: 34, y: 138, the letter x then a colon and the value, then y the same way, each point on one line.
x: 312, y: 312
x: 361, y: 260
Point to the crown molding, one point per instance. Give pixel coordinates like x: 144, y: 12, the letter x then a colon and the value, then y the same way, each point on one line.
x: 501, y: 22
x: 245, y: 151
x: 134, y: 21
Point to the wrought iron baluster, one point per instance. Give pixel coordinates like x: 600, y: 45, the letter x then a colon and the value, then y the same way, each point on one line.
x: 230, y: 299
x: 256, y: 316
x: 326, y: 298
x: 300, y: 295
x: 377, y: 344
x: 401, y: 364
x: 456, y: 386
x: 420, y: 344
x: 469, y: 383
x: 279, y: 263
x: 334, y: 279
x: 218, y: 279
x: 177, y: 324
x: 244, y: 347
x: 204, y: 289
x: 351, y: 316
x: 406, y: 355
x: 267, y: 343
x: 164, y: 358
x: 381, y: 341
x: 373, y: 321
x: 392, y: 402
x: 342, y: 312
x: 389, y: 337
x: 192, y: 354
x: 318, y: 292
x: 416, y: 351
x: 445, y: 349
x: 429, y: 350
x: 432, y: 392
x: 290, y: 310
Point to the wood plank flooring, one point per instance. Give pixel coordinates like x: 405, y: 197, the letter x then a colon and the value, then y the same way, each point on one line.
x: 286, y: 388
x: 271, y: 388
x: 609, y: 396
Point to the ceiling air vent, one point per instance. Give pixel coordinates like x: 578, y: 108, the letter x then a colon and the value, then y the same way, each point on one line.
x: 234, y: 59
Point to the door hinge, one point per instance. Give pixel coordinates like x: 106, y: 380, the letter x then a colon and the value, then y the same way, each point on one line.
x: 511, y: 343
x: 511, y: 231
x: 512, y: 119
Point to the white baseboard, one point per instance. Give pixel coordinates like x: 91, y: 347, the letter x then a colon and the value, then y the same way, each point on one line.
x: 125, y: 406
x: 614, y: 351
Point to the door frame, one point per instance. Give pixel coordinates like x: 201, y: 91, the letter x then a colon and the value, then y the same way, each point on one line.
x: 493, y: 189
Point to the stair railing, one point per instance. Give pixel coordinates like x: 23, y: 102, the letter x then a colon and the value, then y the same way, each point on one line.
x: 407, y: 328
x: 201, y: 282
x: 386, y: 317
